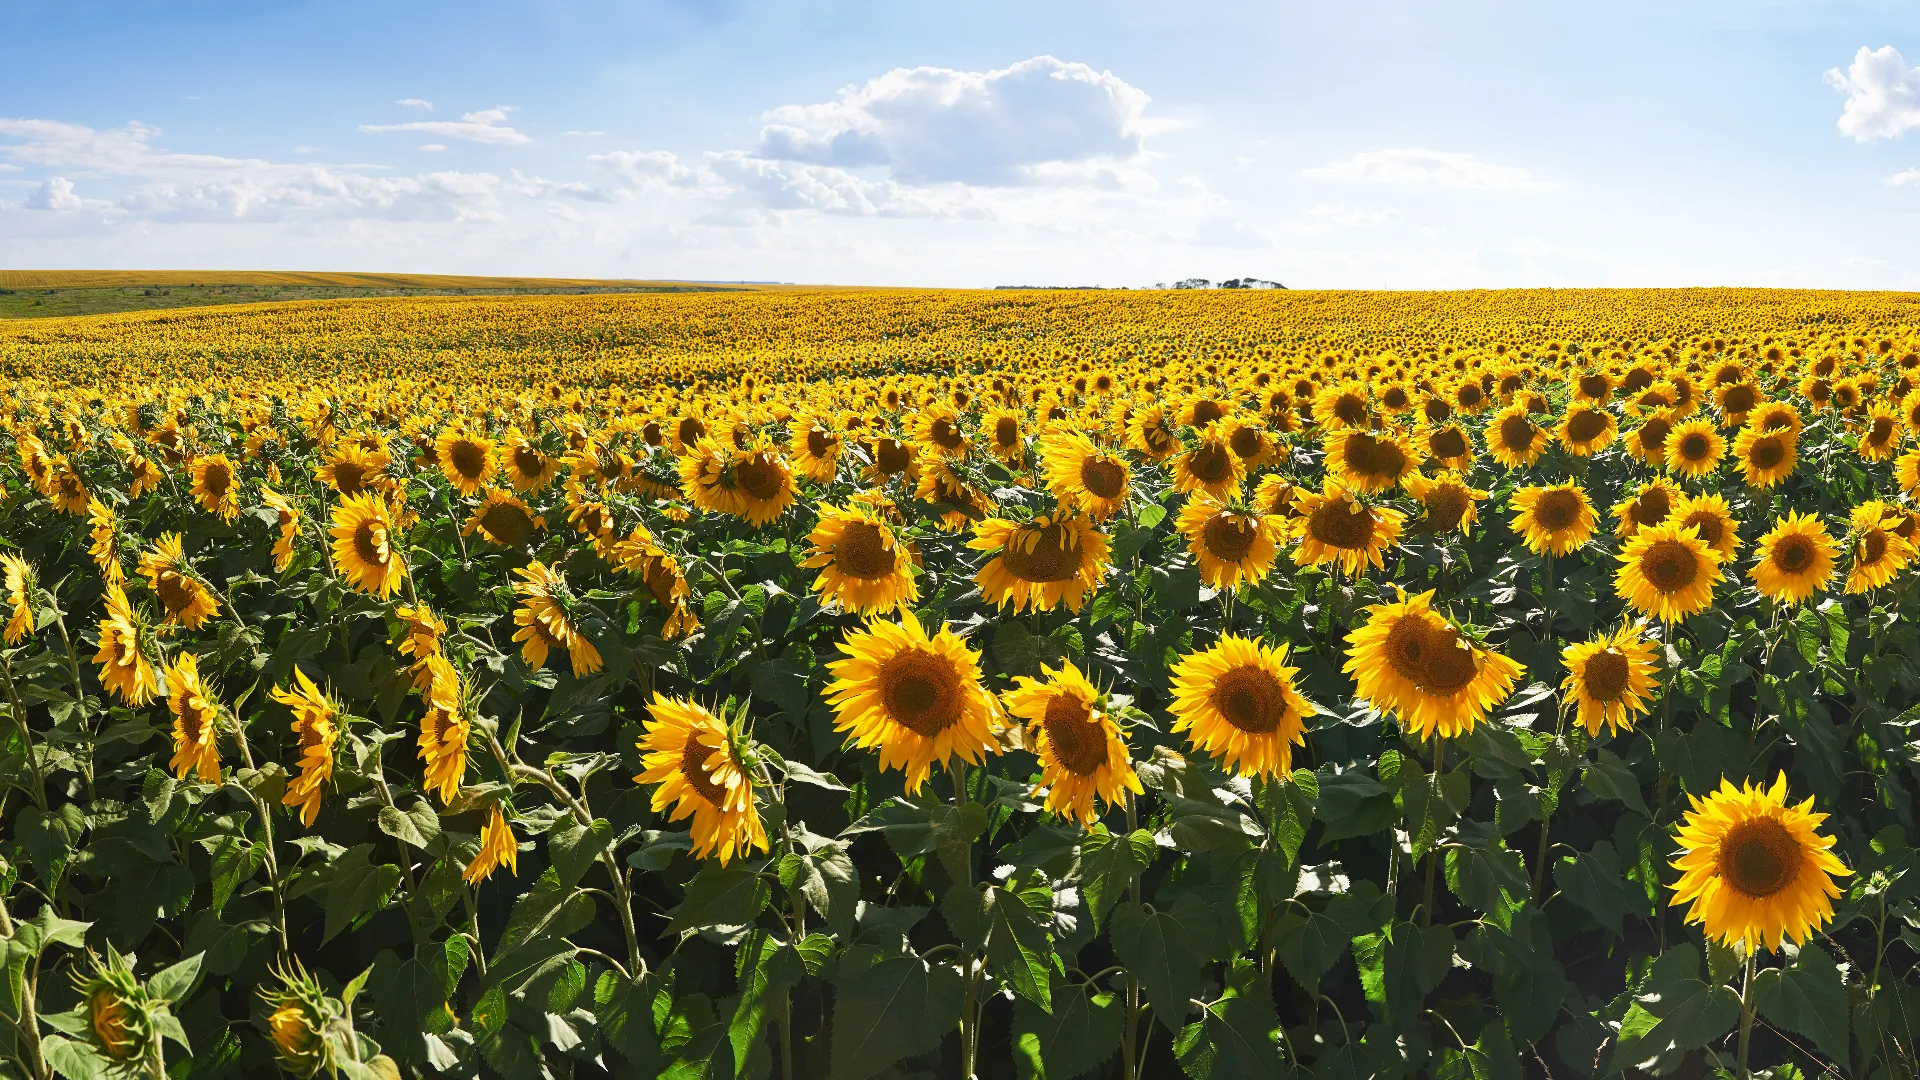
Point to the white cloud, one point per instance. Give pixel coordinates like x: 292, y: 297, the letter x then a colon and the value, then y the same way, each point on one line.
x: 791, y: 185
x: 583, y: 134
x: 484, y: 126
x: 636, y: 169
x: 1342, y: 214
x: 433, y: 147
x: 55, y: 193
x: 414, y: 103
x: 1883, y: 94
x: 1412, y: 166
x: 1903, y: 178
x: 994, y: 128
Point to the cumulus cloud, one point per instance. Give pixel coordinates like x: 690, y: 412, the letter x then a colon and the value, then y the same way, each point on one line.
x: 790, y: 185
x: 54, y: 193
x: 1903, y: 178
x: 485, y: 126
x: 995, y: 128
x: 414, y: 103
x: 1883, y: 94
x: 1412, y: 166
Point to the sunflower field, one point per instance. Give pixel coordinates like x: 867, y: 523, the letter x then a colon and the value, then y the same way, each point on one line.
x: 891, y: 684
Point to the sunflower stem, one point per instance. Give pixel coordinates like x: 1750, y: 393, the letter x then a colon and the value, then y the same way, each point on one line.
x: 19, y: 712
x: 1746, y: 1017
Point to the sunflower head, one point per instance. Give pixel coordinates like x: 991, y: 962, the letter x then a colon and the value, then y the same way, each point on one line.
x: 864, y: 565
x: 1755, y: 869
x: 1450, y: 503
x: 1795, y: 559
x: 1667, y: 572
x: 1237, y: 701
x: 1336, y: 527
x: 1053, y: 559
x: 20, y: 584
x: 366, y: 547
x: 1611, y: 678
x: 1557, y: 519
x: 1766, y: 456
x: 914, y: 697
x: 1083, y: 753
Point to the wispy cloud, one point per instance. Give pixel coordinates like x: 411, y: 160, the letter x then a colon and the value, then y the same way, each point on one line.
x: 1411, y: 166
x: 415, y: 103
x: 485, y: 126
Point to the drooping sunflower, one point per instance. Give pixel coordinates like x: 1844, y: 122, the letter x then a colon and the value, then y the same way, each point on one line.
x: 1083, y: 476
x: 1237, y: 701
x: 1766, y: 456
x: 1335, y: 526
x: 1410, y: 661
x: 1795, y: 559
x: 122, y: 656
x: 289, y: 525
x: 498, y: 848
x: 444, y: 730
x: 527, y: 467
x: 1695, y: 448
x: 864, y: 567
x: 1611, y: 678
x: 754, y: 483
x: 1557, y: 518
x: 1587, y: 430
x: 1667, y: 572
x: 1879, y: 551
x: 1211, y: 466
x: 1756, y: 870
x: 956, y: 500
x: 545, y: 619
x: 695, y: 757
x: 1230, y: 546
x: 1083, y: 753
x: 1367, y: 462
x: 1652, y: 503
x: 196, y: 722
x: 1448, y: 499
x: 216, y: 487
x: 639, y: 554
x: 420, y: 634
x: 104, y: 541
x: 67, y: 491
x: 916, y: 698
x: 1514, y: 440
x: 186, y: 598
x: 1712, y: 518
x: 1053, y: 559
x: 503, y: 520
x: 365, y: 549
x: 20, y: 583
x: 317, y: 733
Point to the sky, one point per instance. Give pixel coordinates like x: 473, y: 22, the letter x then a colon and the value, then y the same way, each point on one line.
x: 1362, y: 144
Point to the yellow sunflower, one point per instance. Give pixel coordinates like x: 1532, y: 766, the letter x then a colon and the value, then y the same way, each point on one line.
x: 816, y: 449
x: 444, y: 730
x: 466, y: 460
x: 1756, y: 870
x: 1083, y: 476
x: 1695, y: 448
x: 104, y: 541
x: 1556, y: 519
x: 187, y: 600
x: 1652, y: 503
x: 528, y: 468
x: 503, y: 520
x: 1368, y: 462
x: 1005, y: 438
x: 1766, y: 456
x: 122, y: 656
x: 754, y: 483
x: 1648, y: 443
x: 1667, y: 572
x: 1237, y: 701
x: 1880, y: 435
x: 1050, y: 560
x: 1335, y: 527
x: 1514, y: 440
x: 915, y: 698
x: 1611, y: 678
x: 545, y: 619
x: 1211, y: 466
x: 1587, y: 430
x: 1230, y: 546
x: 498, y: 848
x: 1879, y: 551
x: 938, y: 430
x: 289, y: 524
x: 196, y: 722
x: 365, y: 549
x: 864, y: 567
x: 1795, y: 559
x: 316, y: 732
x: 1343, y: 407
x: 216, y: 487
x: 1449, y: 446
x: 1448, y: 500
x: 351, y: 469
x: 1410, y: 661
x: 639, y: 554
x: 20, y: 583
x: 1250, y: 442
x: 1275, y: 495
x: 1712, y: 518
x: 1083, y: 753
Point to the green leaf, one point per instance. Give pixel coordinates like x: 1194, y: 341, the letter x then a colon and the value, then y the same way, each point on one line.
x: 1158, y: 949
x: 1673, y: 1013
x: 172, y: 984
x: 624, y: 1009
x: 1309, y: 943
x: 915, y: 829
x: 1609, y: 778
x: 1352, y: 803
x: 233, y: 862
x: 575, y: 847
x: 1809, y: 997
x: 1415, y: 959
x: 357, y: 888
x: 1080, y: 1035
x: 1485, y: 874
x: 1109, y: 865
x: 1238, y: 1035
x: 418, y: 825
x: 766, y: 970
x: 1290, y: 809
x: 1591, y: 880
x: 895, y: 1009
x: 720, y: 896
x: 831, y: 884
x: 1019, y: 951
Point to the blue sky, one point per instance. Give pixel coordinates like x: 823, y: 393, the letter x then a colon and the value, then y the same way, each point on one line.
x: 1402, y: 145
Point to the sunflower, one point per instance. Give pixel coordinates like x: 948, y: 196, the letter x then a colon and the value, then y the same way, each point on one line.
x: 1695, y: 448
x: 1667, y: 572
x: 1652, y: 503
x: 1083, y: 753
x: 1151, y: 432
x: 316, y: 731
x: 864, y: 567
x: 196, y: 721
x: 289, y: 523
x: 1449, y: 446
x: 1334, y: 526
x: 1343, y: 407
x: 1754, y: 869
x: 816, y: 449
x: 503, y: 520
x: 364, y: 546
x: 421, y: 631
x: 1409, y: 660
x: 1766, y: 455
x: 938, y: 430
x: 1879, y: 552
x: 753, y: 483
x: 1082, y: 476
x: 1712, y: 518
x: 1250, y: 442
x: 918, y: 699
x: 67, y: 491
x: 185, y: 597
x: 1648, y: 442
x: 1587, y: 430
x: 1881, y: 435
x: 122, y: 656
x: 444, y: 730
x: 545, y: 619
x: 20, y: 582
x: 1795, y: 559
x: 498, y: 848
x: 890, y: 457
x: 1776, y: 416
x: 528, y: 468
x: 1230, y: 546
x: 1053, y: 559
x: 216, y: 488
x: 350, y: 470
x: 641, y: 555
x: 1557, y: 519
x: 1275, y: 495
x: 697, y: 761
x: 1611, y: 678
x: 466, y: 460
x: 1005, y: 437
x: 1367, y: 462
x: 1449, y: 502
x: 1211, y: 466
x: 1237, y: 701
x: 1735, y: 400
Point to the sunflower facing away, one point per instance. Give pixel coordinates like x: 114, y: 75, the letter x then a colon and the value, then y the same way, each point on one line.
x: 317, y: 733
x: 1755, y: 869
x: 444, y: 730
x: 1667, y: 572
x: 1611, y: 678
x: 196, y: 723
x: 1795, y: 559
x: 915, y: 698
x: 1335, y: 527
x: 289, y: 525
x: 545, y: 621
x: 365, y: 549
x: 216, y: 487
x: 1237, y: 701
x: 864, y: 567
x: 1230, y: 546
x: 1556, y: 519
x: 1046, y: 562
x: 1409, y: 660
x: 17, y: 578
x: 187, y: 600
x: 1879, y: 552
x: 1083, y: 753
x: 1083, y: 476
x: 122, y: 656
x: 498, y: 848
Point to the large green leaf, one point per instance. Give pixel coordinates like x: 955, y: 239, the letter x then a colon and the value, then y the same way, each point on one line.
x: 1161, y: 952
x: 1237, y: 1035
x: 1081, y: 1034
x: 895, y: 1009
x: 1808, y: 996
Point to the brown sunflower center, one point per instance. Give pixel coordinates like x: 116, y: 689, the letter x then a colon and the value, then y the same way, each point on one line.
x: 1670, y: 565
x: 819, y: 441
x: 175, y: 591
x: 1759, y: 857
x: 1210, y: 464
x: 1450, y: 663
x: 1516, y: 433
x: 1653, y: 435
x: 1882, y: 431
x: 1652, y: 506
x: 1228, y: 537
x: 1873, y: 546
x: 1006, y: 432
x: 1594, y: 386
x: 1605, y: 674
x: 1103, y: 476
x: 1350, y: 409
x: 1436, y: 410
x: 1408, y: 643
x: 370, y: 543
x: 468, y: 458
x: 1045, y: 554
x: 651, y: 432
x: 1368, y: 456
x: 689, y: 430
x: 1245, y: 441
x: 693, y: 765
x: 1395, y: 397
x: 528, y: 461
x: 1586, y: 425
x: 891, y: 456
x: 1739, y: 398
x: 1793, y: 553
x: 219, y: 479
x: 1079, y: 743
x: 1767, y: 453
x: 1448, y: 443
x: 863, y: 552
x: 921, y: 690
x: 761, y: 478
x: 1708, y: 524
x: 1446, y: 505
x: 349, y: 476
x: 1340, y: 524
x: 1696, y: 447
x: 1557, y: 510
x: 946, y: 434
x: 1250, y: 699
x: 1470, y: 395
x: 1206, y: 411
x: 507, y: 524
